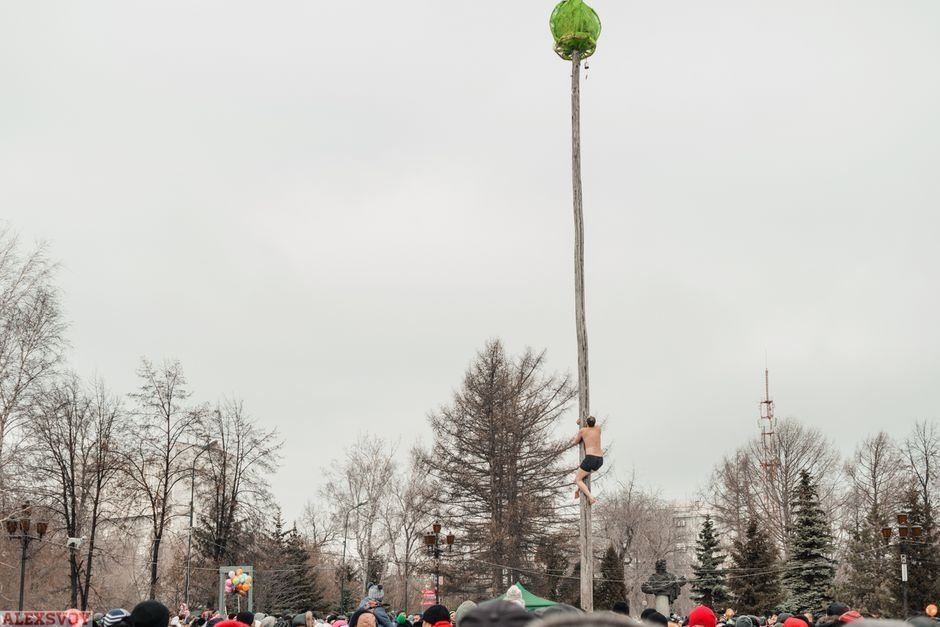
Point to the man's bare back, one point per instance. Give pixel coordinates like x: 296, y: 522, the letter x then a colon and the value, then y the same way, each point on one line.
x: 591, y: 436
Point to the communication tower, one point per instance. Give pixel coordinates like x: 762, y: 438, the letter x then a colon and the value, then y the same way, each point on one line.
x: 768, y: 425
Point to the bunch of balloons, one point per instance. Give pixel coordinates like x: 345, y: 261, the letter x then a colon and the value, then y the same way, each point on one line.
x: 238, y: 581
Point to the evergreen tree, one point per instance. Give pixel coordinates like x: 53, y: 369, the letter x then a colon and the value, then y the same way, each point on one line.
x: 810, y: 570
x: 571, y: 587
x: 552, y: 563
x: 610, y: 588
x: 869, y: 584
x: 754, y: 582
x: 501, y: 492
x: 269, y: 587
x: 923, y: 558
x: 708, y: 586
x: 300, y: 589
x: 346, y: 580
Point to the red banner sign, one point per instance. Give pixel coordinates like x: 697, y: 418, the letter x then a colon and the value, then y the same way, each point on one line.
x: 69, y: 618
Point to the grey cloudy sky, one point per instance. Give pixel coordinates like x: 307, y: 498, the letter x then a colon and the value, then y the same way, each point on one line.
x: 327, y: 207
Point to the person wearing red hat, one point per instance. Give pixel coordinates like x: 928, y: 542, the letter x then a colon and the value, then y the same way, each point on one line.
x: 702, y: 616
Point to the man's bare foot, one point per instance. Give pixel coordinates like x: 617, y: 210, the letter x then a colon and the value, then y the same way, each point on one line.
x: 593, y: 500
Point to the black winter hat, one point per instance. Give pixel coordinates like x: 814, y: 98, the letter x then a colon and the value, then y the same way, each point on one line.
x: 837, y: 609
x: 655, y: 618
x: 621, y: 607
x: 436, y: 614
x: 497, y: 614
x: 150, y: 614
x: 245, y: 618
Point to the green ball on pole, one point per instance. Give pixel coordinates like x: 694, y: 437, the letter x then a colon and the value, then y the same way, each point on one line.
x: 575, y: 27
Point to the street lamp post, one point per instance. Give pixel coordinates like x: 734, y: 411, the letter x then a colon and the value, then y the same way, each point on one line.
x: 18, y: 528
x: 433, y: 542
x: 907, y: 533
x: 192, y: 504
x: 342, y: 574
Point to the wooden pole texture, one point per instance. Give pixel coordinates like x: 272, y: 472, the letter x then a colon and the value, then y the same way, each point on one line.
x: 584, y: 399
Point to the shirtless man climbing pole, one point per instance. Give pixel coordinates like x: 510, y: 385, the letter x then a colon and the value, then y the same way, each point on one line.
x: 593, y: 456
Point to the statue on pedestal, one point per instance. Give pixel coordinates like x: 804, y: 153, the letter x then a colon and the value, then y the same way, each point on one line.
x: 665, y: 586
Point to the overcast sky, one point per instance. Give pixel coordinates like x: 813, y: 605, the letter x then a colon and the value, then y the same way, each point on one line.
x: 326, y: 208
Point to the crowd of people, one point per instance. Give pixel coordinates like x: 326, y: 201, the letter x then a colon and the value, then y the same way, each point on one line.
x: 510, y: 611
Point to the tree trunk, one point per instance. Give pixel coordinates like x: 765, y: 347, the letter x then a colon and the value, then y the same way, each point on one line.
x: 154, y: 567
x: 584, y: 401
x: 74, y: 578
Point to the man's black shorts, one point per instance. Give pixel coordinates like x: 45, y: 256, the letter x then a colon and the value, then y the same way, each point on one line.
x: 592, y: 463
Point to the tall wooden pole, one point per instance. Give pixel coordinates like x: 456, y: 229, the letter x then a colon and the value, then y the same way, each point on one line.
x: 584, y: 399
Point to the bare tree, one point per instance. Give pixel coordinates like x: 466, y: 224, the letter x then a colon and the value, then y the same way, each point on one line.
x: 363, y: 478
x: 638, y: 524
x: 741, y: 481
x: 406, y: 516
x: 234, y: 474
x: 156, y: 462
x: 922, y: 450
x: 874, y: 476
x: 31, y: 330
x: 75, y: 436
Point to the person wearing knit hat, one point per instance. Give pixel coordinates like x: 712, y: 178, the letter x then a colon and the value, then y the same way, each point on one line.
x: 401, y: 619
x: 462, y: 610
x: 436, y: 616
x: 837, y: 609
x: 150, y: 614
x: 245, y: 618
x: 514, y: 595
x: 796, y: 621
x: 702, y: 616
x: 115, y: 616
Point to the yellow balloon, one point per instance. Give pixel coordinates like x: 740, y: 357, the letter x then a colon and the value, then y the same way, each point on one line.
x: 239, y: 572
x: 931, y: 610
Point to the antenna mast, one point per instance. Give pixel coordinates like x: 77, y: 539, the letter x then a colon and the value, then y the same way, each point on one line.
x: 768, y: 426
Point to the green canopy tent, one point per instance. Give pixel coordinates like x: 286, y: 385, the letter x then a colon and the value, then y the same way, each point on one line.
x: 532, y: 602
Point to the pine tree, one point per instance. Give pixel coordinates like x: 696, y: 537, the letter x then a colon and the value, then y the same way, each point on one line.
x: 301, y: 591
x: 810, y: 570
x: 552, y: 564
x: 610, y: 588
x: 269, y: 589
x: 924, y: 560
x: 754, y: 582
x: 571, y: 587
x: 869, y: 584
x: 708, y: 587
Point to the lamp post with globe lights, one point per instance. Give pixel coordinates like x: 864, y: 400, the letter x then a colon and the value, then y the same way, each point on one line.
x: 18, y: 526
